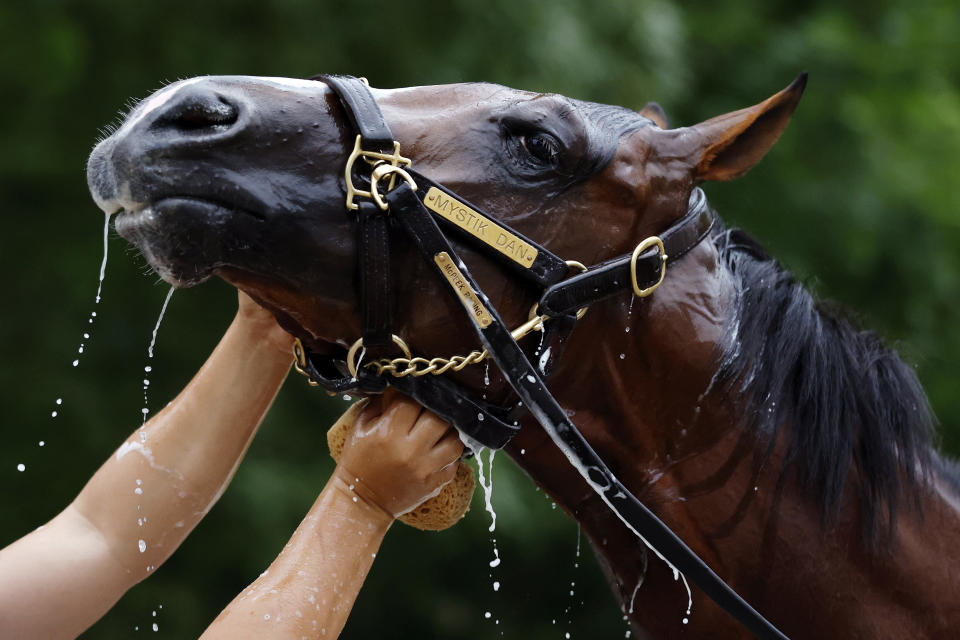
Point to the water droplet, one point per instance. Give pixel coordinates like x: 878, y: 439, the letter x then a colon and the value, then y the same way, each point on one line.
x: 496, y: 585
x: 148, y: 368
x: 53, y: 414
x: 142, y: 545
x: 41, y: 443
x: 86, y: 336
x: 347, y: 397
x: 155, y: 627
x: 486, y: 614
x: 59, y: 401
x: 76, y: 362
x: 686, y: 620
x: 21, y: 467
x: 138, y: 491
x: 622, y: 356
x: 266, y: 616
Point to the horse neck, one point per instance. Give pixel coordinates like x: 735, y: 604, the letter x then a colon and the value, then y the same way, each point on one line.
x: 637, y: 382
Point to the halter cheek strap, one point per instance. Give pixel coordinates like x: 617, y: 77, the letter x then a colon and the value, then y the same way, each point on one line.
x: 408, y: 200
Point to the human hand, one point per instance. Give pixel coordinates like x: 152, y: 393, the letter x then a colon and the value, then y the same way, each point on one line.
x: 398, y: 455
x: 262, y: 323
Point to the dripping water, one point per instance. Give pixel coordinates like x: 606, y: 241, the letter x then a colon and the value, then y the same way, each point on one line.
x: 88, y: 330
x: 573, y: 584
x: 486, y: 483
x: 148, y: 368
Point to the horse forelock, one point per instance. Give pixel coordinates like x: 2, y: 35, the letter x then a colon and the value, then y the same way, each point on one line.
x: 845, y: 398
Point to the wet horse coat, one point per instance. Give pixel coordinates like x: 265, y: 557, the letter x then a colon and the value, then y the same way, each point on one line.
x: 772, y: 437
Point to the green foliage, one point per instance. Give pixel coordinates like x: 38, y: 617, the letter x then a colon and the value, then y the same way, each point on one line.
x: 859, y: 197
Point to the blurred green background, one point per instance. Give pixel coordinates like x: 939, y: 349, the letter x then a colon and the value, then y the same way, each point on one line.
x: 859, y: 198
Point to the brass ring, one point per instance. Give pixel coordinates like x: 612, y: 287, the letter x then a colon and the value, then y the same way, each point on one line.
x: 583, y: 269
x: 352, y: 353
x: 379, y: 173
x: 652, y: 241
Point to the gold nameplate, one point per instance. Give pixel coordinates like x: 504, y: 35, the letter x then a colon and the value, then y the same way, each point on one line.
x: 480, y: 227
x: 463, y: 290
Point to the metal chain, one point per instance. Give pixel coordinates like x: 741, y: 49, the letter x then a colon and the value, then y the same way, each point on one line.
x: 417, y: 366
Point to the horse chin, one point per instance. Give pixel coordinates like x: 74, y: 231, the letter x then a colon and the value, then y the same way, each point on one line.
x: 185, y: 239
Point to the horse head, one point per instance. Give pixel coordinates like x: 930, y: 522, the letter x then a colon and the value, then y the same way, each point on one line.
x: 242, y: 178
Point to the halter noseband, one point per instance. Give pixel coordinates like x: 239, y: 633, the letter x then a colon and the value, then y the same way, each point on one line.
x: 416, y: 204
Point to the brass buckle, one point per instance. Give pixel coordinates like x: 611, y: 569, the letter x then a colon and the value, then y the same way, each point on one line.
x: 373, y: 158
x: 352, y: 353
x: 300, y: 362
x: 652, y: 241
x: 379, y: 173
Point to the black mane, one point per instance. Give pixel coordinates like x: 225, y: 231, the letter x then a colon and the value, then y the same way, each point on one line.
x: 844, y: 396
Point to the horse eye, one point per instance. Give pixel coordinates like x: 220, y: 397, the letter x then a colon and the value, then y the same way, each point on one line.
x: 543, y: 147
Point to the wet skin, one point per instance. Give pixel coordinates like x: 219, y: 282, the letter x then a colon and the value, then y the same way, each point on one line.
x: 242, y: 178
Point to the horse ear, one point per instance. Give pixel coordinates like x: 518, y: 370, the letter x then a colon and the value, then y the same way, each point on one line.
x: 654, y: 112
x: 726, y: 147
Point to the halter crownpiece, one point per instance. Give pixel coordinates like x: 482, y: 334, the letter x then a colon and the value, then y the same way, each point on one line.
x: 385, y: 190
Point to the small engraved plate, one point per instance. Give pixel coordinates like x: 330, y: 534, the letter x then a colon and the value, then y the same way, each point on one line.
x: 480, y: 227
x: 463, y: 290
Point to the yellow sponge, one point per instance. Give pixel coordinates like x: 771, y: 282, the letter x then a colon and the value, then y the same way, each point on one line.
x: 436, y: 514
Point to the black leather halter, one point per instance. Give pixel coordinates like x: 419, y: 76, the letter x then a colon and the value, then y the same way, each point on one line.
x: 416, y: 204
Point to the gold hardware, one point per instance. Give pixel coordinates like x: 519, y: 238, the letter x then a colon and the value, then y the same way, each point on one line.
x: 300, y: 362
x: 652, y: 241
x: 352, y: 353
x: 416, y: 367
x: 373, y: 158
x: 480, y: 227
x: 379, y: 172
x: 583, y: 269
x: 478, y: 313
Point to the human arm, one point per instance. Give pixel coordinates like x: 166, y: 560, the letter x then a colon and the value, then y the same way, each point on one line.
x: 58, y: 580
x: 393, y: 461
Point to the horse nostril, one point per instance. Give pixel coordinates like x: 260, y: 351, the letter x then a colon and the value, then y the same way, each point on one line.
x: 197, y: 111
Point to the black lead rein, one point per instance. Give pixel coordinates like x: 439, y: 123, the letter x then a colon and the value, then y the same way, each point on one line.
x: 410, y: 204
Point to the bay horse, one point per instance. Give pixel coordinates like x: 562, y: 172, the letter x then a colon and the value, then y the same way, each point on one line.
x: 787, y: 447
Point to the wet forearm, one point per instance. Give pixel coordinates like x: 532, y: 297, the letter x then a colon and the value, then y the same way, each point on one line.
x: 156, y: 487
x: 310, y: 588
